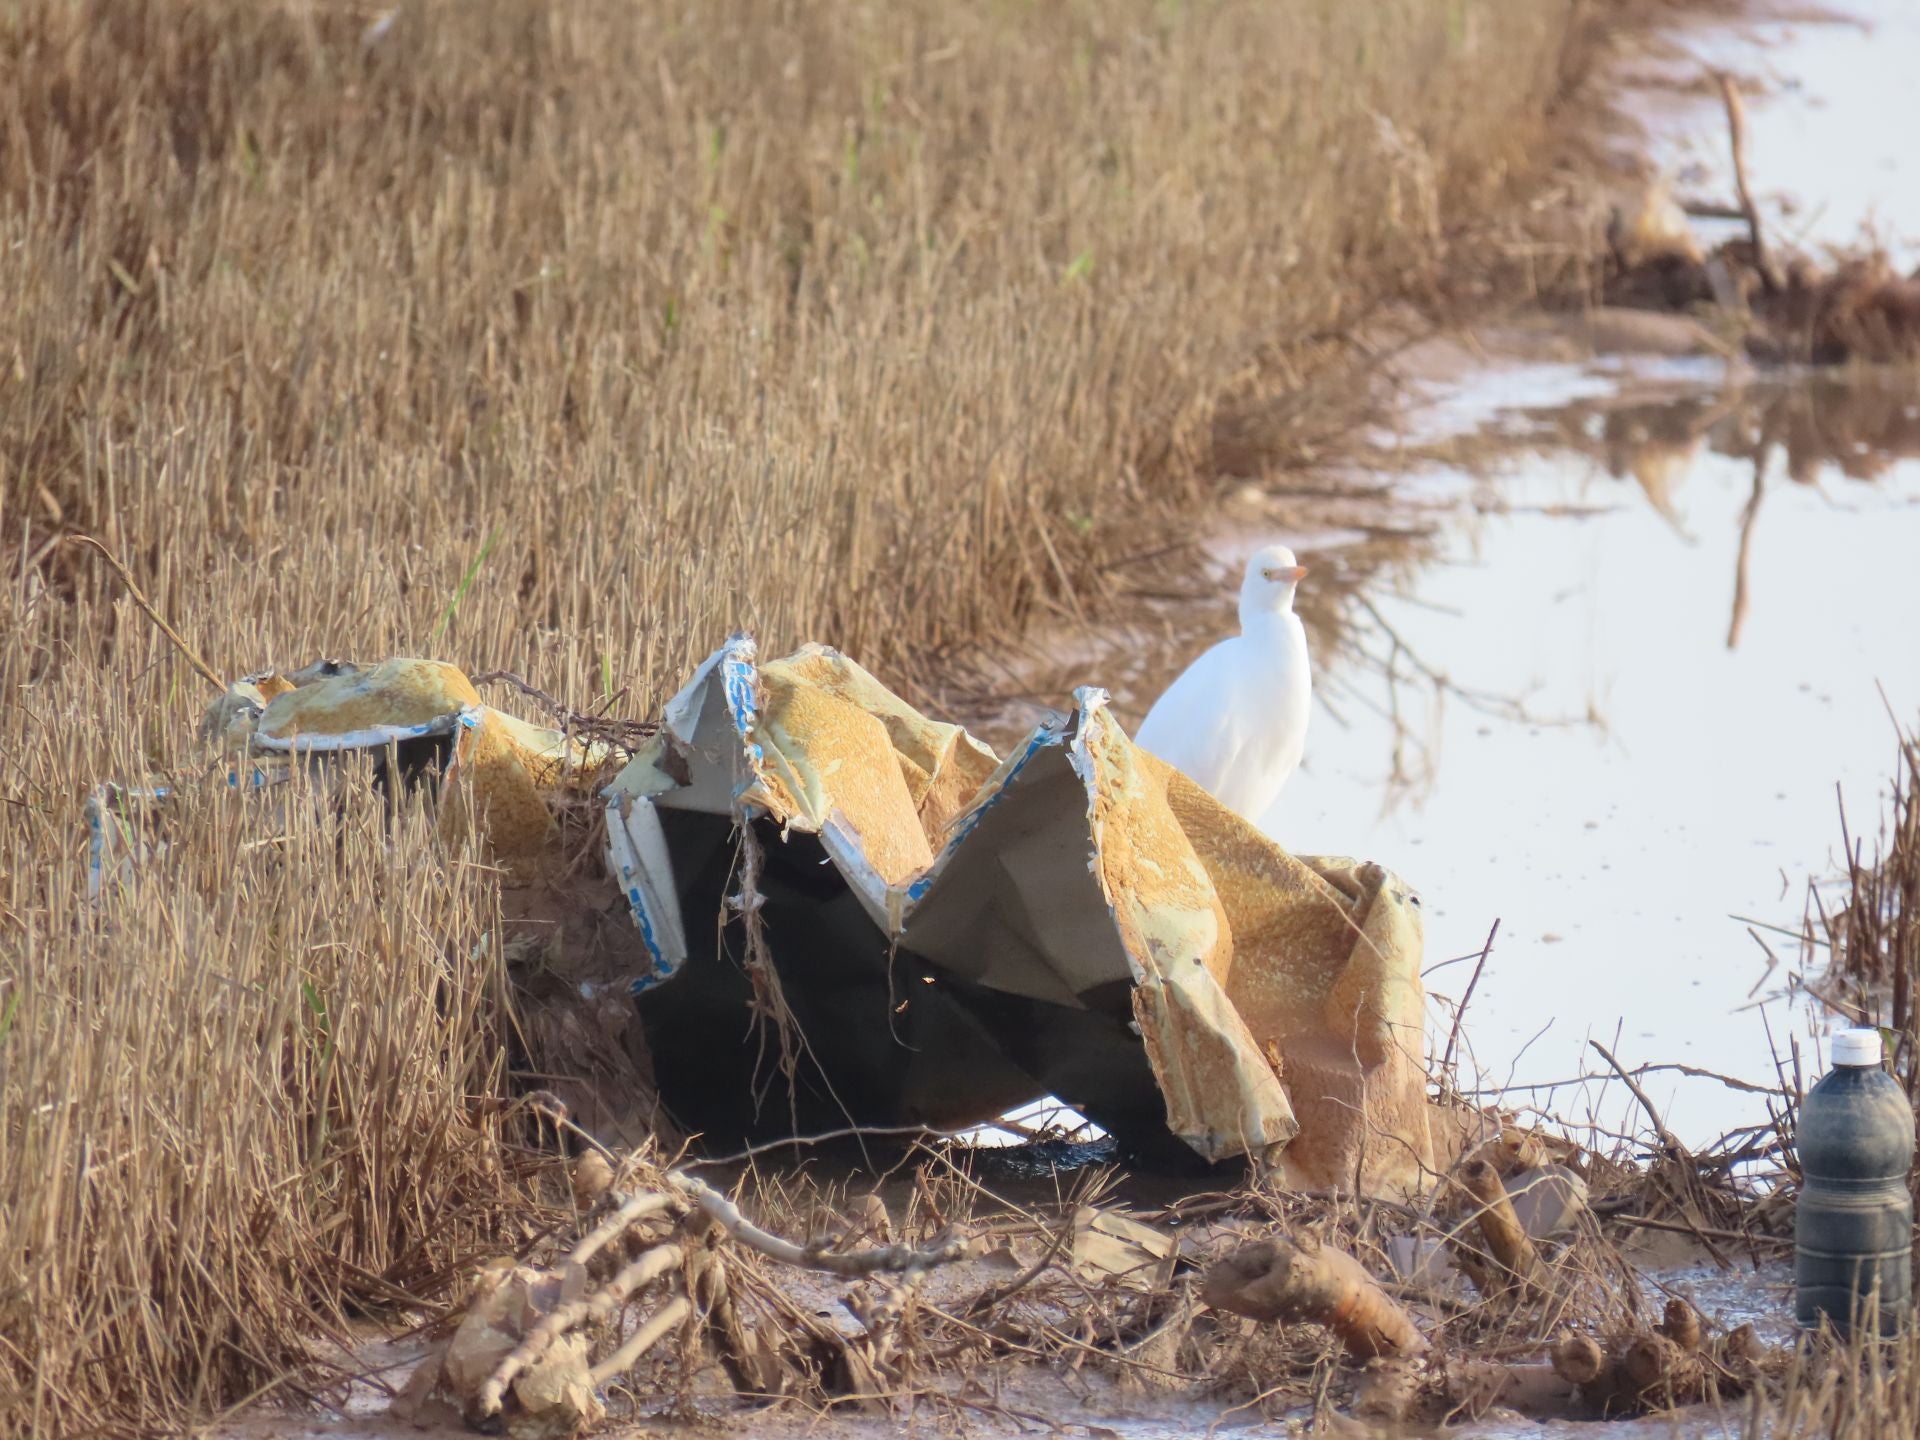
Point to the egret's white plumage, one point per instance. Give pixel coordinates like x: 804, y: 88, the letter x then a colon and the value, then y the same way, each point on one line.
x: 1236, y: 719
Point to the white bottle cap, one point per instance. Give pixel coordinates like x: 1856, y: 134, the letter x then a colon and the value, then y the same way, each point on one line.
x: 1856, y: 1047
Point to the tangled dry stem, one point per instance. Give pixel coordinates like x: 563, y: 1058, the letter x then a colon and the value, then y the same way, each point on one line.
x: 701, y: 1220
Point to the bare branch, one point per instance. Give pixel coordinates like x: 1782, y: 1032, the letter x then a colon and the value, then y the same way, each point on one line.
x: 642, y: 1340
x: 597, y: 1306
x: 890, y: 1259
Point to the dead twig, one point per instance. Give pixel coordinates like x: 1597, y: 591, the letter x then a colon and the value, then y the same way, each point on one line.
x: 1666, y: 1137
x: 643, y: 1339
x: 1453, y: 1034
x: 187, y: 652
x: 887, y: 1259
x: 1737, y: 134
x: 997, y: 1294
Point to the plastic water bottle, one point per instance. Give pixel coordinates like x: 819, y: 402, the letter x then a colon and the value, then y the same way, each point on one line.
x: 1853, y: 1227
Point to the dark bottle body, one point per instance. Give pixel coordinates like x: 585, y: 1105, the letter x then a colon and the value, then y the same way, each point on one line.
x: 1853, y: 1226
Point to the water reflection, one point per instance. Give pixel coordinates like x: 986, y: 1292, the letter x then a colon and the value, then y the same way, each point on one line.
x: 1707, y: 589
x: 1858, y: 428
x: 1369, y: 542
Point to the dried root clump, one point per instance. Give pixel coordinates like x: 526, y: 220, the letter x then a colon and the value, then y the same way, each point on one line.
x: 523, y: 1353
x: 538, y: 1344
x: 1290, y: 1281
x: 1635, y: 1373
x: 1553, y: 1326
x: 1673, y: 1365
x: 1507, y: 1259
x: 1791, y: 311
x: 1513, y: 1301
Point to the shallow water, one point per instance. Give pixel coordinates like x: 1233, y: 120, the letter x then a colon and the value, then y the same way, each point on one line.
x: 1653, y: 683
x: 1652, y: 638
x: 1613, y: 699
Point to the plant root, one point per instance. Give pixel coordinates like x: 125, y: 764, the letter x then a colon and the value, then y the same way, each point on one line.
x: 1290, y: 1281
x: 521, y: 1356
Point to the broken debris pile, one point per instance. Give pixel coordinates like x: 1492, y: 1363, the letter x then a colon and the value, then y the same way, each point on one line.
x: 413, y: 718
x: 884, y: 1308
x: 925, y: 934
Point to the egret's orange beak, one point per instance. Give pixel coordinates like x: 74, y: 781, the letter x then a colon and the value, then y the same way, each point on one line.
x: 1296, y: 574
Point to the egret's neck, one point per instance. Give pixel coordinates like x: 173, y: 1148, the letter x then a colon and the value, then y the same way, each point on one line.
x: 1269, y: 615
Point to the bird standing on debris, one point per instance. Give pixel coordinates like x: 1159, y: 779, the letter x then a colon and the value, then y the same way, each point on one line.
x: 1236, y: 719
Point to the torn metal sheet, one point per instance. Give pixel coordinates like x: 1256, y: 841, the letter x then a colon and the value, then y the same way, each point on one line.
x: 526, y: 794
x: 123, y: 833
x: 494, y: 771
x: 1080, y: 917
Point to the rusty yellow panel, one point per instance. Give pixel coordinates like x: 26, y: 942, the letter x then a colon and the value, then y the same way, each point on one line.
x: 942, y: 765
x: 491, y: 787
x: 1277, y: 999
x: 1326, y: 974
x: 394, y: 700
x: 826, y: 757
x: 1222, y: 1095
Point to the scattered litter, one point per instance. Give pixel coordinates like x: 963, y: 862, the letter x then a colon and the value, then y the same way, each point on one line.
x: 1109, y: 1246
x: 419, y: 721
x: 1548, y: 1200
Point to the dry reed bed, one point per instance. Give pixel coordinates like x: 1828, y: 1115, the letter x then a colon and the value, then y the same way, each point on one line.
x: 565, y: 339
x: 1866, y: 1389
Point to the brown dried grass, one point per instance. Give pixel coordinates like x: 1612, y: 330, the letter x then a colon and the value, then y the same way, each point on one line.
x: 1870, y: 929
x: 1864, y: 1388
x: 565, y: 339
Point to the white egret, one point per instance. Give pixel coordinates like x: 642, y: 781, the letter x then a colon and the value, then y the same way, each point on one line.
x: 1236, y: 719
